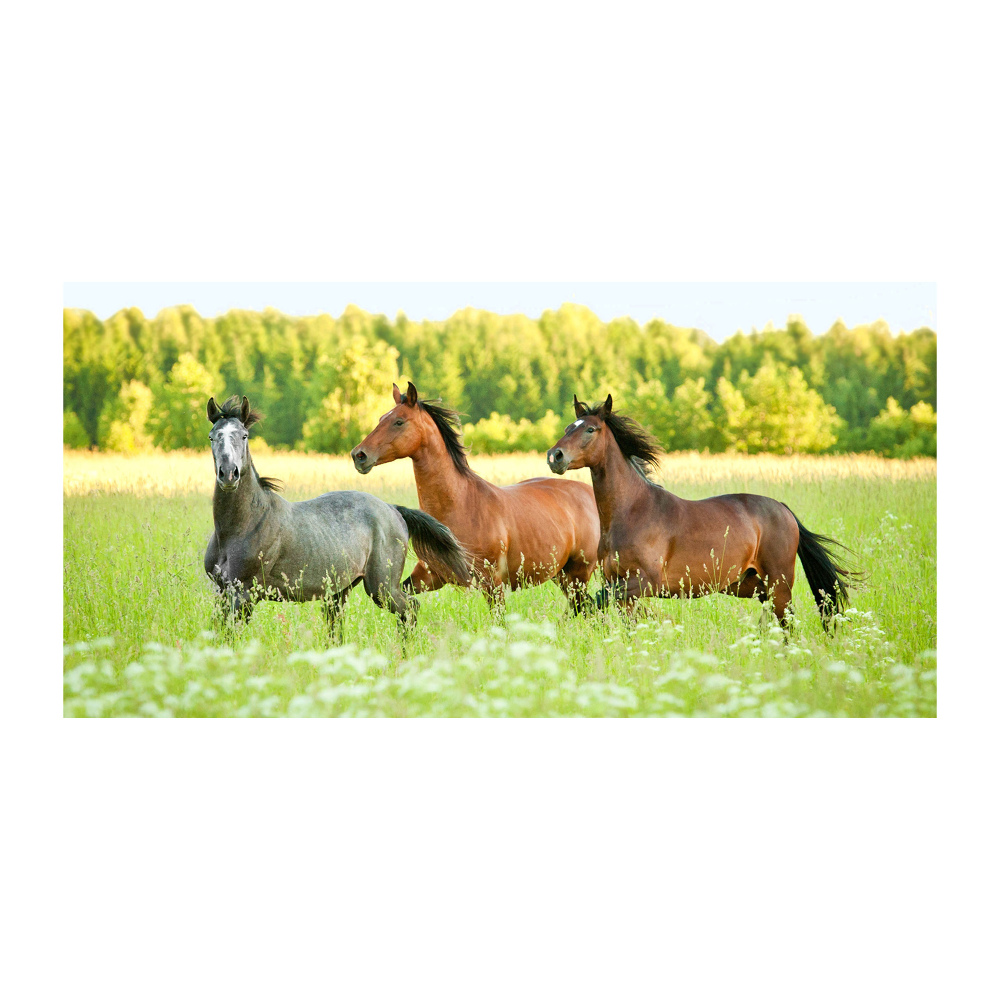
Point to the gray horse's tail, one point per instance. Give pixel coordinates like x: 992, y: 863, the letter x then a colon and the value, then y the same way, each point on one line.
x: 436, y: 545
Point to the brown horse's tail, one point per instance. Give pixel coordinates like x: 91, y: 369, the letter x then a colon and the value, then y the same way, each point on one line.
x: 827, y: 579
x: 436, y: 545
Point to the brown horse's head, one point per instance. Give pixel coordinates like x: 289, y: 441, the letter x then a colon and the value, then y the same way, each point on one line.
x: 585, y: 439
x: 398, y: 433
x: 406, y: 428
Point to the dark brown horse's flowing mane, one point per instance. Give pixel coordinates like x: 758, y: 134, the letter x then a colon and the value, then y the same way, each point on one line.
x: 450, y: 426
x: 636, y: 443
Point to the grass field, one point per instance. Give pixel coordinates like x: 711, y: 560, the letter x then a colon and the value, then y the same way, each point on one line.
x: 137, y: 609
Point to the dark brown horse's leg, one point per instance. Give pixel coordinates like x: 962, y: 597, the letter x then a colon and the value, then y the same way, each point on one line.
x: 781, y: 595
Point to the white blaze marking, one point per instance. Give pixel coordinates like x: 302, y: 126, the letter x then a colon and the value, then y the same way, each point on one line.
x: 577, y: 424
x: 229, y: 442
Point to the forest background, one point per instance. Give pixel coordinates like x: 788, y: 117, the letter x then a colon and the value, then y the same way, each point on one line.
x: 131, y: 383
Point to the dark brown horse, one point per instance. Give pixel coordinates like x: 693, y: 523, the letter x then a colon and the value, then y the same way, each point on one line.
x: 654, y: 544
x: 520, y: 535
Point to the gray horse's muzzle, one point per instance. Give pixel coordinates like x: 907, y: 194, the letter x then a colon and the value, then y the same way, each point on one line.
x: 228, y: 479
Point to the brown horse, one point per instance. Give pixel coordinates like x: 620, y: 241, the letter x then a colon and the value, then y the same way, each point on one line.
x: 520, y: 535
x: 654, y: 544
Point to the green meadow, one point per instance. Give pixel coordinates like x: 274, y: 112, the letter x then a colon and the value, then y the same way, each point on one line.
x: 139, y: 638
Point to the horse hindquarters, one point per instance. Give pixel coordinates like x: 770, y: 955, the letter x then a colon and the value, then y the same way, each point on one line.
x: 383, y: 573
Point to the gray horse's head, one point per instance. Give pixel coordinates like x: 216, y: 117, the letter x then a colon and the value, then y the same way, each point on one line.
x: 230, y: 439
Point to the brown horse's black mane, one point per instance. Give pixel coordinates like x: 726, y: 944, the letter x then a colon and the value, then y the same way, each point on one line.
x: 635, y: 442
x: 232, y: 409
x: 450, y: 426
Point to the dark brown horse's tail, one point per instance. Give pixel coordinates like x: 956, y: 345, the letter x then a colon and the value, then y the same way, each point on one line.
x: 436, y: 545
x: 827, y: 579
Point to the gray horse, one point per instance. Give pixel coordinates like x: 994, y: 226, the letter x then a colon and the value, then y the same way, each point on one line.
x: 265, y: 548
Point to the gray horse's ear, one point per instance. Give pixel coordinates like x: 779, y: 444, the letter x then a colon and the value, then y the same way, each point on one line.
x: 411, y: 394
x: 213, y: 410
x: 606, y: 406
x: 396, y: 394
x: 579, y: 407
x: 245, y: 410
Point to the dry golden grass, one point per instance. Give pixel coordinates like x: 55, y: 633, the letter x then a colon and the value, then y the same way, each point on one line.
x: 179, y: 473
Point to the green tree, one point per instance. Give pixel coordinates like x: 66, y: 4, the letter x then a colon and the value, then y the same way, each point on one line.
x: 74, y: 435
x: 899, y: 433
x: 691, y: 423
x: 775, y: 411
x: 178, y: 417
x: 124, y: 419
x: 356, y: 380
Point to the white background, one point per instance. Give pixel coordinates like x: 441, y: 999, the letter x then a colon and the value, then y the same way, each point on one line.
x: 574, y: 142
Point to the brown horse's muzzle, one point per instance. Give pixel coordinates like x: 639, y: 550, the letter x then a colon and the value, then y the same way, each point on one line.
x: 363, y: 462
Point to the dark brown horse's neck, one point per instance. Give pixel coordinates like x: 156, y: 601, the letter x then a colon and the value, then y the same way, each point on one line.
x: 441, y: 488
x: 238, y: 512
x: 616, y: 483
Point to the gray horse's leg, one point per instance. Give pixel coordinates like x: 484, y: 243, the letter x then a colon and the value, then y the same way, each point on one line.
x: 333, y: 612
x: 233, y: 605
x: 382, y: 581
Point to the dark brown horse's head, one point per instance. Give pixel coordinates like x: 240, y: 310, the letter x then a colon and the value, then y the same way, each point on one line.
x: 584, y: 441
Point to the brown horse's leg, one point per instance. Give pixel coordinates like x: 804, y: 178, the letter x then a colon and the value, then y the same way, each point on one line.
x: 423, y: 578
x: 572, y: 578
x: 496, y: 599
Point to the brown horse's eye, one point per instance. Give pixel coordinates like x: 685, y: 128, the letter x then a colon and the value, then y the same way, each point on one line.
x: 399, y: 423
x: 590, y: 430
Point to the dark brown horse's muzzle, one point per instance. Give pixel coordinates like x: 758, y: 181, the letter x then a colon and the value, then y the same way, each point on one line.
x: 557, y: 460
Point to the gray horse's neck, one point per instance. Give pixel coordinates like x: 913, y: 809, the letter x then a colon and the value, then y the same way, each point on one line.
x: 237, y: 512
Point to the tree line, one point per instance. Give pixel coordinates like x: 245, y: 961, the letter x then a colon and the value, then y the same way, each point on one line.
x: 131, y: 382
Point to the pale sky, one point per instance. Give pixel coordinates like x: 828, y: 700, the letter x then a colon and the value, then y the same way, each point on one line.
x: 718, y: 308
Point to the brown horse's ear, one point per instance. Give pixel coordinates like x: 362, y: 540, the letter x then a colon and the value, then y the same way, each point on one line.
x: 396, y: 394
x: 580, y: 408
x: 606, y: 406
x: 411, y: 394
x: 245, y: 411
x: 213, y: 410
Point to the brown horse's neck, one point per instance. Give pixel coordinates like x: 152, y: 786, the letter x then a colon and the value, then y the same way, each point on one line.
x: 440, y: 486
x: 237, y: 512
x: 616, y: 482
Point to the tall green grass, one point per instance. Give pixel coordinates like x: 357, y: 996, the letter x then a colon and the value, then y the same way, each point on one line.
x: 139, y: 640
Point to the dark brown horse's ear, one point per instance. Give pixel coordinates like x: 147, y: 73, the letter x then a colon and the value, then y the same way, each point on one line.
x: 606, y: 406
x: 396, y: 394
x: 579, y: 407
x: 245, y: 410
x: 411, y: 394
x: 213, y: 410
